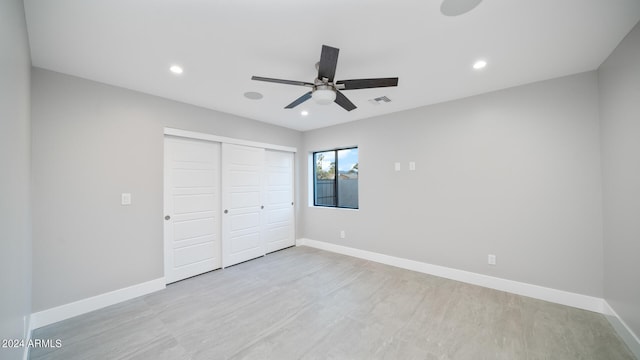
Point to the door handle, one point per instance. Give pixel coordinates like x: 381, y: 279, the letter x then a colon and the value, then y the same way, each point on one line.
x: 262, y: 207
x: 226, y: 211
x: 167, y: 217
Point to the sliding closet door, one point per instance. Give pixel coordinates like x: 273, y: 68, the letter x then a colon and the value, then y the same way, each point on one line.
x: 279, y: 224
x: 192, y: 206
x: 242, y: 203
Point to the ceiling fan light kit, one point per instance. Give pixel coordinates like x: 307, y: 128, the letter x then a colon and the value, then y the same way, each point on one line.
x: 324, y: 95
x: 324, y: 89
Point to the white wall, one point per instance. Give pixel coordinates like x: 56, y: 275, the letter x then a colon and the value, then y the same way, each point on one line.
x: 92, y: 142
x: 515, y: 173
x: 619, y: 82
x: 15, y: 241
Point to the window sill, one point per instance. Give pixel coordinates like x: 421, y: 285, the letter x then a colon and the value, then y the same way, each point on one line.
x: 332, y: 208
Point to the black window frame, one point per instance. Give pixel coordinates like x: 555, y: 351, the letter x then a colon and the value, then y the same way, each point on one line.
x: 335, y: 179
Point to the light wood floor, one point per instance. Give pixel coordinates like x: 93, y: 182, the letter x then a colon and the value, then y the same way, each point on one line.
x: 303, y: 303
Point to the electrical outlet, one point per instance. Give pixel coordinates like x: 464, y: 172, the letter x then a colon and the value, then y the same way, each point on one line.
x: 491, y: 259
x: 125, y: 199
x: 342, y: 234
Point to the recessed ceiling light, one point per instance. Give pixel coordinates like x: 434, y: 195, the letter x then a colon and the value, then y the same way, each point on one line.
x: 304, y: 113
x: 458, y: 7
x: 480, y: 64
x: 176, y: 69
x: 253, y: 95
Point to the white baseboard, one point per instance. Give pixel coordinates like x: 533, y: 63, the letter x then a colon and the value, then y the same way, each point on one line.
x: 580, y: 301
x: 625, y: 332
x: 59, y: 313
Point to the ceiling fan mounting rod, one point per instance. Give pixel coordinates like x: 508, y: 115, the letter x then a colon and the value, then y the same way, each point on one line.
x: 323, y: 81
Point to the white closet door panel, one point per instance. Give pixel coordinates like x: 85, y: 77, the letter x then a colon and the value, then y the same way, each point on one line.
x: 244, y: 222
x: 189, y: 229
x: 247, y: 199
x: 279, y: 179
x: 193, y: 254
x: 244, y: 178
x: 192, y: 203
x: 279, y: 234
x: 277, y: 197
x: 278, y: 219
x: 185, y: 178
x: 242, y: 202
x: 193, y: 241
x: 241, y: 243
x: 184, y: 204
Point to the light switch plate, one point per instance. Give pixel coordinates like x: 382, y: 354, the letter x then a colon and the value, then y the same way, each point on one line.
x: 412, y: 165
x: 126, y: 199
x: 397, y: 166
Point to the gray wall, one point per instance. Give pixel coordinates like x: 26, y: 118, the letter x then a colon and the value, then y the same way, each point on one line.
x: 619, y: 82
x: 15, y: 223
x: 514, y: 173
x: 91, y: 142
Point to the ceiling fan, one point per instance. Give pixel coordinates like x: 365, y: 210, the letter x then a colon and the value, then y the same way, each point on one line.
x: 324, y: 89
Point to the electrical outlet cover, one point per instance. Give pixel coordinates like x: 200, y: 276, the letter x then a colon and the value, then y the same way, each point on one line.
x: 126, y: 199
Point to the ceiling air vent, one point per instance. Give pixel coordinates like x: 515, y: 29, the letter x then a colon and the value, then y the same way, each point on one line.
x: 380, y: 100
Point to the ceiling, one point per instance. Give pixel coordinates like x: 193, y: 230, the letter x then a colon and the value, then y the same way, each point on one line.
x: 222, y: 43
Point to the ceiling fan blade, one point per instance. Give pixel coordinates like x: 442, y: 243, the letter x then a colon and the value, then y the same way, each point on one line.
x: 328, y: 63
x: 280, y: 81
x: 299, y: 100
x: 367, y: 83
x: 344, y: 102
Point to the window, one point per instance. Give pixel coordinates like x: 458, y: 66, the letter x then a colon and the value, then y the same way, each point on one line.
x: 335, y: 178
